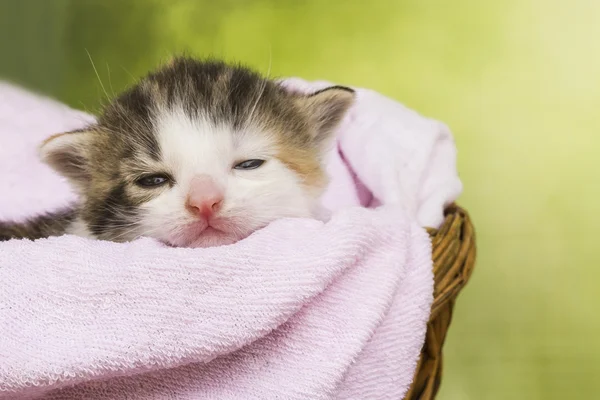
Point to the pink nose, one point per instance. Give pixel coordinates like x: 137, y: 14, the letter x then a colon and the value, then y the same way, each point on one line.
x: 205, y: 196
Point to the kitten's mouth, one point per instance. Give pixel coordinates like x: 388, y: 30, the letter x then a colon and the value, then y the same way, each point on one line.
x: 211, y: 230
x: 199, y: 229
x: 203, y: 234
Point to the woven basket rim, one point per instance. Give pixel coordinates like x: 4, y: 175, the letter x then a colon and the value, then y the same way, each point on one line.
x: 453, y: 253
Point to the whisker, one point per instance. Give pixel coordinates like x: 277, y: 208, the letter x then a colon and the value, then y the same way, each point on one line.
x: 261, y: 92
x: 97, y: 75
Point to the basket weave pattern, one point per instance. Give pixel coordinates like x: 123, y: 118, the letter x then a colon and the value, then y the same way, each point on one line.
x: 453, y: 261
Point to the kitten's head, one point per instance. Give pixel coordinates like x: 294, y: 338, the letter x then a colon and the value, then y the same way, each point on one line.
x: 200, y: 154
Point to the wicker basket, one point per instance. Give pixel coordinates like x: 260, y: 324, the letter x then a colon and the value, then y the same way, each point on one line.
x: 453, y: 262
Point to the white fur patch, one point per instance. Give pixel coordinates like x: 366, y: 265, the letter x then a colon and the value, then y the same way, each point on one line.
x: 253, y: 198
x: 80, y: 228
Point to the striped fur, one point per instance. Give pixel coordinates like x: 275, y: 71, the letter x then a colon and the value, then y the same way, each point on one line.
x: 51, y: 224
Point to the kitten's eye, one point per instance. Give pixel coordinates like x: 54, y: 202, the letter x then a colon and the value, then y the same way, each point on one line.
x: 150, y: 181
x: 249, y: 164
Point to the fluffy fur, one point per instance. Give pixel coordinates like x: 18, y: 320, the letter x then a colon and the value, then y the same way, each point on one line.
x: 191, y: 120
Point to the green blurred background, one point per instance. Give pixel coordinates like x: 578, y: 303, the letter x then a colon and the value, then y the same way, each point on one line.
x: 518, y: 81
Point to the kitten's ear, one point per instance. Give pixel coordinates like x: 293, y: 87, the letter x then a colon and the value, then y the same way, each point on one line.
x: 68, y: 154
x: 327, y: 108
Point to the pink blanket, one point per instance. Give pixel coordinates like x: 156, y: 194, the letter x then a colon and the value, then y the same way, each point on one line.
x: 299, y: 310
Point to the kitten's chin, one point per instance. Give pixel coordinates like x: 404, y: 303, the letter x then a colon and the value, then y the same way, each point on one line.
x: 208, y: 237
x: 212, y: 237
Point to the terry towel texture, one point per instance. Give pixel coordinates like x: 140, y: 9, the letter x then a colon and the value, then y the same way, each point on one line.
x: 299, y: 310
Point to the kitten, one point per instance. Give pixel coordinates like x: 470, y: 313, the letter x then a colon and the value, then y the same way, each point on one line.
x: 196, y: 154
